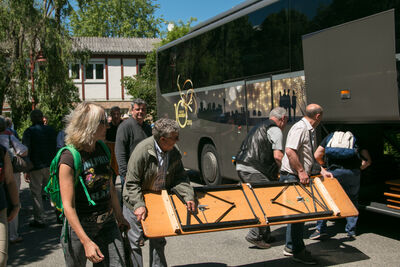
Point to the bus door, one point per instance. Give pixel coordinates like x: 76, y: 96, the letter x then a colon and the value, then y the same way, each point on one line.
x: 232, y: 128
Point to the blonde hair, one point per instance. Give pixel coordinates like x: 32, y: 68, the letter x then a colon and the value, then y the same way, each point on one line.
x: 82, y: 124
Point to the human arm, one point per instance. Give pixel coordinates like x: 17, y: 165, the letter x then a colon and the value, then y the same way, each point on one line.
x: 295, y: 164
x: 11, y: 187
x: 67, y: 190
x: 122, y: 149
x: 365, y: 159
x: 181, y: 183
x: 319, y: 157
x: 278, y: 156
x: 132, y: 191
x: 122, y: 223
x: 26, y: 140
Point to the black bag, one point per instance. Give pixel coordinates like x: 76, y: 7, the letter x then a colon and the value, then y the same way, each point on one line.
x: 20, y: 164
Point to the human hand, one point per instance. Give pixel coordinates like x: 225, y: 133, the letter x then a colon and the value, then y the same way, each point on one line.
x: 327, y: 174
x: 140, y: 213
x: 27, y: 177
x: 14, y: 213
x: 304, y: 178
x: 92, y: 252
x: 191, y: 206
x: 364, y: 164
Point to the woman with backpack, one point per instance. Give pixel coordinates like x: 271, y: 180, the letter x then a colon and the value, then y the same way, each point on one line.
x: 9, y: 208
x: 90, y: 229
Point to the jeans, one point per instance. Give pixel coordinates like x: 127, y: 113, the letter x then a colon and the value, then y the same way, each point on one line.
x: 349, y: 179
x: 105, y: 235
x: 294, y: 231
x: 157, y: 245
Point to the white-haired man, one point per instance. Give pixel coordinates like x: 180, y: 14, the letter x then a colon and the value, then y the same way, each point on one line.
x: 155, y: 165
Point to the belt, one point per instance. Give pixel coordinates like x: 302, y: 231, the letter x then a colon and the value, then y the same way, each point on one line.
x: 287, y: 173
x: 99, y: 218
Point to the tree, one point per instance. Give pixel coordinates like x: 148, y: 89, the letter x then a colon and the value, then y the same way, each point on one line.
x: 29, y: 28
x: 115, y: 18
x: 143, y: 85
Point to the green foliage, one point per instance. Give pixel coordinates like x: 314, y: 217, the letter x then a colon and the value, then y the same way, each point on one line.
x: 28, y: 27
x: 143, y: 85
x: 115, y: 18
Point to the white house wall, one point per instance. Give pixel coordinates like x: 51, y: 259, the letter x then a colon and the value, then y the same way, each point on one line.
x: 114, y: 78
x: 129, y: 70
x: 95, y: 91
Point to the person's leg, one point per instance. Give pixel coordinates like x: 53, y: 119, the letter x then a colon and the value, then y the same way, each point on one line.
x: 74, y: 252
x: 3, y: 238
x: 13, y: 225
x: 35, y: 186
x: 294, y: 232
x: 257, y: 236
x: 349, y: 179
x: 134, y: 236
x: 109, y: 241
x: 157, y: 256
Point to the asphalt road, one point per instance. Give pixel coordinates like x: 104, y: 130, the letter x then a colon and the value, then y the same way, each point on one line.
x: 377, y: 244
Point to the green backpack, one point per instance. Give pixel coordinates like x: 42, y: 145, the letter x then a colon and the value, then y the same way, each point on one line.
x: 53, y: 186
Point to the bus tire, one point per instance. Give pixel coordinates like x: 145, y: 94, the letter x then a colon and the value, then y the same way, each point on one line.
x: 209, y: 165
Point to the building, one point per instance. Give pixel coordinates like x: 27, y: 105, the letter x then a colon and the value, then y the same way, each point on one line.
x: 111, y: 59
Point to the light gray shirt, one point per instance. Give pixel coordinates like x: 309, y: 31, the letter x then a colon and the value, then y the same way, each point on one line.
x: 298, y: 139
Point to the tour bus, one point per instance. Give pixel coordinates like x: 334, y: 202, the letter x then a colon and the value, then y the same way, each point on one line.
x: 227, y: 73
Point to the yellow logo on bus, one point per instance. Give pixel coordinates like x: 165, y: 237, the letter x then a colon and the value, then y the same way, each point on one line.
x: 185, y: 104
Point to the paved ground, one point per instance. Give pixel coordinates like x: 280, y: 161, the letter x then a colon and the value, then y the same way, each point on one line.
x: 378, y: 244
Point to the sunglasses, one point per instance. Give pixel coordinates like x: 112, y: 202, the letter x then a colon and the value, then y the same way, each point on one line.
x: 104, y: 122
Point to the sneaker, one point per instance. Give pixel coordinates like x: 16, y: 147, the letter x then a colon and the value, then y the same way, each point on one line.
x: 287, y: 251
x: 258, y: 243
x: 304, y: 257
x: 317, y: 235
x: 37, y: 224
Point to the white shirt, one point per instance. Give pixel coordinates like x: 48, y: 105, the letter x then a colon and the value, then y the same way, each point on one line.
x: 298, y: 139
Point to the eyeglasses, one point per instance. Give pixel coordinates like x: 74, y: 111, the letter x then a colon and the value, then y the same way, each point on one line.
x: 104, y: 122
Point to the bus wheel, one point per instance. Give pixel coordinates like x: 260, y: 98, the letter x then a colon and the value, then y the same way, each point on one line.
x: 209, y: 165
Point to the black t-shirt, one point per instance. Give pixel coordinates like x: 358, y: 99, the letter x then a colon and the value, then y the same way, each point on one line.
x: 351, y: 163
x: 111, y: 133
x: 96, y: 174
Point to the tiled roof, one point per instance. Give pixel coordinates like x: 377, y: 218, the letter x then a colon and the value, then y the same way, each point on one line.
x: 116, y: 46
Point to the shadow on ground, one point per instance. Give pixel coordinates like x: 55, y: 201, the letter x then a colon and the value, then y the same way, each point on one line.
x: 37, y: 243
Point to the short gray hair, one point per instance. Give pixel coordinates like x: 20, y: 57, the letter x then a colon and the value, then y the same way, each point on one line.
x: 3, y: 124
x: 278, y: 112
x: 164, y: 127
x: 138, y: 101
